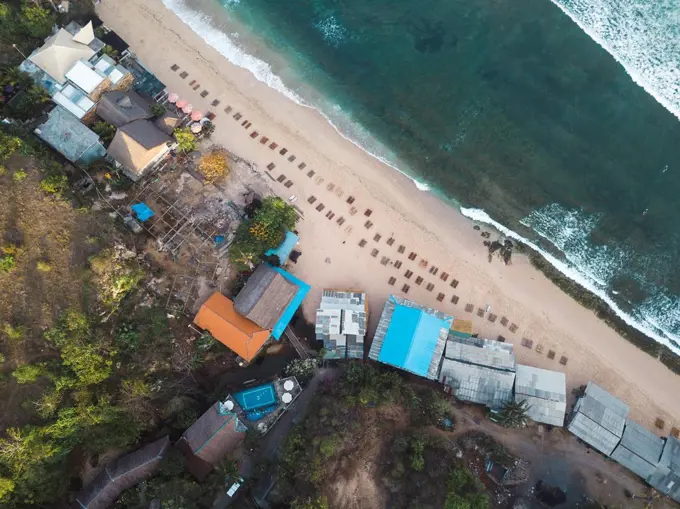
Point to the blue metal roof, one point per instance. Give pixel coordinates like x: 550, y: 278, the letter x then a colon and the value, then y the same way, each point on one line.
x: 284, y: 250
x: 411, y: 339
x: 287, y: 316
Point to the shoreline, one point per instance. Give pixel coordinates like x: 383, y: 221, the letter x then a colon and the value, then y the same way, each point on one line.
x: 415, y: 219
x: 216, y: 18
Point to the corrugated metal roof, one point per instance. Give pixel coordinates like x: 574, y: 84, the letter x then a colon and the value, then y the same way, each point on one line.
x: 592, y: 433
x: 478, y: 384
x: 545, y: 391
x: 411, y: 337
x: 666, y: 477
x: 541, y: 383
x: 481, y: 352
x: 599, y: 418
x: 544, y: 410
x: 642, y: 442
x: 639, y: 450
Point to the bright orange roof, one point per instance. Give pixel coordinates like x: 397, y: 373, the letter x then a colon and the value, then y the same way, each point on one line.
x: 235, y: 331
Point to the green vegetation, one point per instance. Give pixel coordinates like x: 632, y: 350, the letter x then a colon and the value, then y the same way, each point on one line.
x: 464, y: 491
x: 25, y: 22
x: 158, y: 110
x: 29, y: 373
x: 105, y: 131
x: 54, y: 184
x: 85, y: 368
x: 513, y: 414
x: 373, y: 427
x: 186, y: 141
x: 266, y: 230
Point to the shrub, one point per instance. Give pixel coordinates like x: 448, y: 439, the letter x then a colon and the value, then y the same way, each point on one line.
x: 157, y: 110
x: 105, y: 131
x: 36, y: 21
x: 214, y: 166
x: 55, y: 184
x: 29, y: 373
x: 302, y: 369
x: 186, y: 141
x: 19, y: 175
x: 43, y: 267
x: 7, y: 262
x: 185, y: 418
x: 14, y: 333
x: 264, y: 231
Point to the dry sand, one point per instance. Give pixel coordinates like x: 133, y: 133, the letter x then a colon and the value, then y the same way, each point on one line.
x: 332, y: 257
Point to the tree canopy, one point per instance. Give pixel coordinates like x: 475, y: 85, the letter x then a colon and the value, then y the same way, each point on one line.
x: 266, y: 230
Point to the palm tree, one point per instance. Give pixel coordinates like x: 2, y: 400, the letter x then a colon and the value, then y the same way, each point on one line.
x: 514, y: 414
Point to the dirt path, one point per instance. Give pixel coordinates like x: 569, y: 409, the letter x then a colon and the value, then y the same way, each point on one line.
x: 559, y: 459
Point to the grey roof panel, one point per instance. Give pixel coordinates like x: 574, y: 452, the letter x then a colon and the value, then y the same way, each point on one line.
x: 477, y: 384
x: 592, y: 433
x: 544, y: 410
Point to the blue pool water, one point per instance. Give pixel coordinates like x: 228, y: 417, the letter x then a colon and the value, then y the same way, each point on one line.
x: 256, y: 398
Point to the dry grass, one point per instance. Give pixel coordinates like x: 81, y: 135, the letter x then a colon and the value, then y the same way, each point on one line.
x: 43, y: 231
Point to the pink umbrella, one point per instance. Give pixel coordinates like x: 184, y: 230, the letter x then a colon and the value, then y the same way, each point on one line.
x: 196, y: 116
x: 181, y: 104
x: 196, y: 128
x: 188, y: 109
x: 173, y: 97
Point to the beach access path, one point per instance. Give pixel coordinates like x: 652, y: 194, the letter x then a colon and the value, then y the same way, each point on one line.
x: 367, y: 227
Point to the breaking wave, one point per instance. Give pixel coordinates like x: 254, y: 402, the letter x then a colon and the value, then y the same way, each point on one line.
x: 332, y: 31
x: 594, y: 268
x: 201, y: 24
x: 642, y: 36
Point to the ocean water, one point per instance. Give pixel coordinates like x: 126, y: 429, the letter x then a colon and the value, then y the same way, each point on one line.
x: 557, y: 122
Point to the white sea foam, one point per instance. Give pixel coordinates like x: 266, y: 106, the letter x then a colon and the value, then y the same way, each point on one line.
x: 201, y: 24
x: 332, y: 30
x: 648, y: 320
x: 661, y: 312
x: 641, y: 35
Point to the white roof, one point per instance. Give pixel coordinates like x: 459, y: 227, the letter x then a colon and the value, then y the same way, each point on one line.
x: 84, y: 77
x: 74, y: 101
x: 85, y: 35
x: 59, y: 53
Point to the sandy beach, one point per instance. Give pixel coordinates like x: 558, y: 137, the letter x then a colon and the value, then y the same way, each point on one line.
x: 357, y: 245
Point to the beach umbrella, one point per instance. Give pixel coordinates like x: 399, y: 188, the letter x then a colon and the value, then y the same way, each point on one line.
x: 173, y: 97
x: 196, y: 128
x: 181, y: 103
x: 188, y: 109
x: 196, y: 116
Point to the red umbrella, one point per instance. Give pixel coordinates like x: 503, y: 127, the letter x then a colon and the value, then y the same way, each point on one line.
x: 196, y: 116
x: 173, y: 97
x: 181, y: 104
x: 188, y: 109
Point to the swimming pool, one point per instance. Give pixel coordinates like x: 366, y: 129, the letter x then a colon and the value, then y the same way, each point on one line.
x: 255, y: 398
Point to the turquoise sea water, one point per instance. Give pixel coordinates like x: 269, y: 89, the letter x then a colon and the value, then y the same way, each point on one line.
x: 557, y: 120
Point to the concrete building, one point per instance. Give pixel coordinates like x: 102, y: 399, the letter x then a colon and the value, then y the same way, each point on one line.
x: 479, y: 370
x: 411, y: 337
x: 639, y: 449
x: 599, y: 419
x: 341, y: 324
x: 545, y: 391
